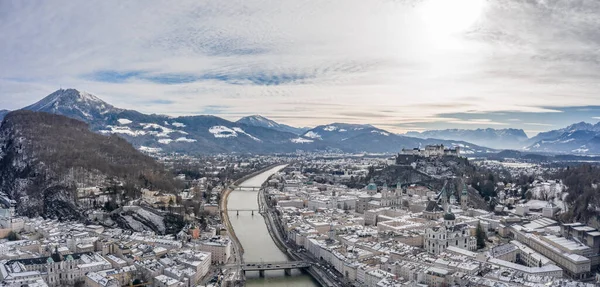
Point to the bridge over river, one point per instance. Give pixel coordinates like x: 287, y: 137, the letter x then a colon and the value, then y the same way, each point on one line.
x: 261, y: 267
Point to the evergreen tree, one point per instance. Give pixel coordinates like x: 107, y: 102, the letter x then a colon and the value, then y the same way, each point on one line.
x: 480, y: 235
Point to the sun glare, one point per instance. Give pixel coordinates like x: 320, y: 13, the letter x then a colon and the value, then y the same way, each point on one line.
x: 443, y: 18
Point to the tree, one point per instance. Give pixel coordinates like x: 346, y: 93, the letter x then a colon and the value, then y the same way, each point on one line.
x: 203, y: 223
x: 12, y: 236
x: 480, y: 235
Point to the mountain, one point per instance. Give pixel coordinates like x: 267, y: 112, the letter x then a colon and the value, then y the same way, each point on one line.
x: 3, y: 114
x: 74, y: 104
x: 260, y: 121
x: 188, y: 134
x: 210, y: 134
x: 44, y: 158
x: 494, y: 138
x: 367, y: 138
x: 581, y: 126
x: 578, y: 138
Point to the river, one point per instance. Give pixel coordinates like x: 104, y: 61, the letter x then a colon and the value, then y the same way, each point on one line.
x: 255, y: 239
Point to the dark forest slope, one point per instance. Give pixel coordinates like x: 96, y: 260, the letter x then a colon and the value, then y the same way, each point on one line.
x: 44, y: 158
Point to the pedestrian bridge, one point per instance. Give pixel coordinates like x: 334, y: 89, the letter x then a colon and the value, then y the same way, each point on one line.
x: 246, y: 188
x: 237, y: 211
x: 261, y: 267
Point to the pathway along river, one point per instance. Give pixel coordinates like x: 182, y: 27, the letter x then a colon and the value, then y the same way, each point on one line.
x: 254, y: 236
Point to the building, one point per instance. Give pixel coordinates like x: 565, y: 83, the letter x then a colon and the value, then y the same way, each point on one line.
x: 438, y: 238
x: 433, y: 151
x: 219, y: 247
x: 566, y: 253
x: 57, y: 270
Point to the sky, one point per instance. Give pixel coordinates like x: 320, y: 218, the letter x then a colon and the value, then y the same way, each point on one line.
x: 401, y: 65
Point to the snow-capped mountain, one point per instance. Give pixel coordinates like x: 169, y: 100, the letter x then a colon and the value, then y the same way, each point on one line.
x: 579, y: 138
x: 211, y: 134
x: 74, y: 104
x: 358, y: 137
x: 581, y: 126
x: 260, y: 121
x: 494, y: 138
x: 154, y: 133
x: 339, y: 132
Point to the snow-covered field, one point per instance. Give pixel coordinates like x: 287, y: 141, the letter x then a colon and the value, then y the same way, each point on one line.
x: 301, y: 140
x: 124, y: 121
x: 123, y: 130
x: 225, y: 132
x: 241, y: 131
x: 150, y: 149
x: 380, y: 132
x: 312, y: 135
x: 184, y: 139
x: 222, y: 132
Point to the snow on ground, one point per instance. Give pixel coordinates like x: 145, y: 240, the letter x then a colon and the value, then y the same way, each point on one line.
x: 546, y: 190
x: 184, y: 139
x: 380, y: 132
x: 301, y: 140
x: 312, y: 135
x: 122, y: 130
x: 330, y: 128
x: 163, y: 133
x: 241, y: 131
x: 124, y: 121
x: 342, y: 130
x: 156, y: 219
x: 222, y: 132
x: 135, y: 225
x: 536, y: 204
x: 580, y: 150
x: 165, y: 141
x: 150, y: 149
x: 179, y: 125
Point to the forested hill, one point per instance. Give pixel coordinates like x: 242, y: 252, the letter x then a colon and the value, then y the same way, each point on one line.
x: 45, y: 157
x: 583, y: 187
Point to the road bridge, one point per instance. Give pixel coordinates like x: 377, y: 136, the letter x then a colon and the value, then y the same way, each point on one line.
x: 261, y: 267
x: 246, y: 188
x: 237, y: 211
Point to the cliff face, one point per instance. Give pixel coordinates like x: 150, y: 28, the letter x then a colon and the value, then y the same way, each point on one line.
x: 44, y: 158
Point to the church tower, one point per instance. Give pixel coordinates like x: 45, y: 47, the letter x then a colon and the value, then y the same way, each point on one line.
x: 464, y: 197
x: 372, y: 188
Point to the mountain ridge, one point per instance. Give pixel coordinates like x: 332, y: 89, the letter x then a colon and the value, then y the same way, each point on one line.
x: 260, y: 121
x: 212, y: 134
x: 495, y: 138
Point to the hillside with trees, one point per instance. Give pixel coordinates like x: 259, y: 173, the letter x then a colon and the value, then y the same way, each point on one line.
x: 44, y: 158
x: 583, y: 187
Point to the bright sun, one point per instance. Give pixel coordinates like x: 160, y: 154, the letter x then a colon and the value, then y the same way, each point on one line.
x: 443, y: 18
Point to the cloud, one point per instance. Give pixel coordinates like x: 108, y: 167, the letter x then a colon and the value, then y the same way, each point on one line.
x: 309, y: 61
x: 539, y: 124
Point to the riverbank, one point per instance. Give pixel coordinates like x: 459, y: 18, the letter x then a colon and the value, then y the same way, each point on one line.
x: 277, y: 234
x: 238, y: 248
